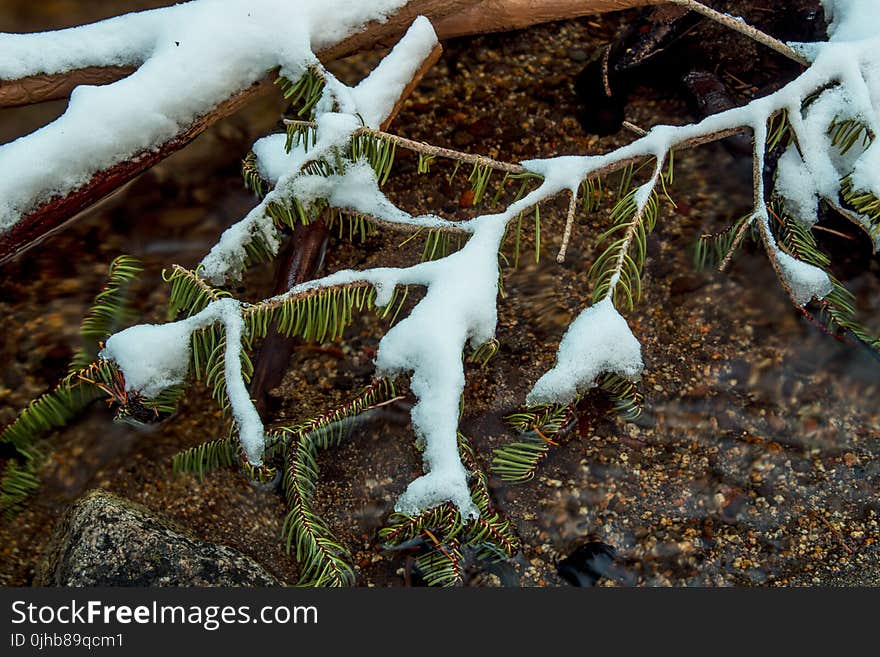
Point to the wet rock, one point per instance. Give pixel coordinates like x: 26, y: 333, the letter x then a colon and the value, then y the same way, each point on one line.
x: 105, y: 540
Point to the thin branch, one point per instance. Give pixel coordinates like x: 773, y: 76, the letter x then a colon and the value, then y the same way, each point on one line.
x: 427, y: 149
x: 632, y: 230
x: 569, y: 223
x: 734, y: 245
x: 449, y: 228
x: 633, y: 128
x: 317, y: 286
x: 739, y: 25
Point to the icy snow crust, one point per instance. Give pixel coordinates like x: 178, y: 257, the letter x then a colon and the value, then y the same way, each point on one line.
x: 233, y: 43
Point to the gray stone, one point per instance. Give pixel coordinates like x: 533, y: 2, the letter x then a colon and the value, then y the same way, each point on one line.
x: 105, y: 540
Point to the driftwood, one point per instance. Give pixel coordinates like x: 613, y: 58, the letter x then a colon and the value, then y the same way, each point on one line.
x: 451, y: 17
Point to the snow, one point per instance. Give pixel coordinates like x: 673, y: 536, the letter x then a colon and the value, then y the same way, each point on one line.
x: 804, y: 280
x: 195, y: 55
x: 153, y: 357
x: 375, y: 97
x: 368, y: 103
x: 795, y: 185
x: 598, y: 341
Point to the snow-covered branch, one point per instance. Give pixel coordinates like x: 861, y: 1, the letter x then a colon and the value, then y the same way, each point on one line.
x: 828, y: 117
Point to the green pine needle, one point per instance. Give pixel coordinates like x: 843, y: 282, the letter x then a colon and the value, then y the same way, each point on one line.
x: 190, y: 293
x: 712, y: 248
x: 624, y: 395
x: 221, y: 453
x: 108, y: 310
x: 18, y: 482
x: 322, y: 559
x: 304, y: 93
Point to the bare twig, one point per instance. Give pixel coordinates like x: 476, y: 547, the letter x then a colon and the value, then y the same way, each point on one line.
x: 569, y: 223
x: 633, y: 128
x: 427, y: 149
x: 734, y: 245
x: 739, y: 25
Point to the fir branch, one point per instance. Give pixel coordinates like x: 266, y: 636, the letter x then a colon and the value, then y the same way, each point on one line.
x: 107, y: 312
x: 401, y: 528
x: 18, y: 482
x: 317, y: 314
x: 190, y: 293
x: 214, y: 454
x: 624, y: 395
x: 322, y: 559
x: 444, y: 565
x: 540, y: 427
x: 328, y: 429
x: 617, y: 272
x: 492, y: 536
x: 442, y: 532
x: 837, y: 310
x: 55, y: 409
x: 517, y: 462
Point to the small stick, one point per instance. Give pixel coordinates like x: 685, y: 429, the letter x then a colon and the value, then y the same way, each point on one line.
x: 569, y: 223
x: 739, y: 25
x: 633, y: 128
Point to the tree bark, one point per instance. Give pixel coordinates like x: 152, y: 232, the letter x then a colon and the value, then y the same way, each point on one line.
x: 452, y: 18
x: 503, y: 15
